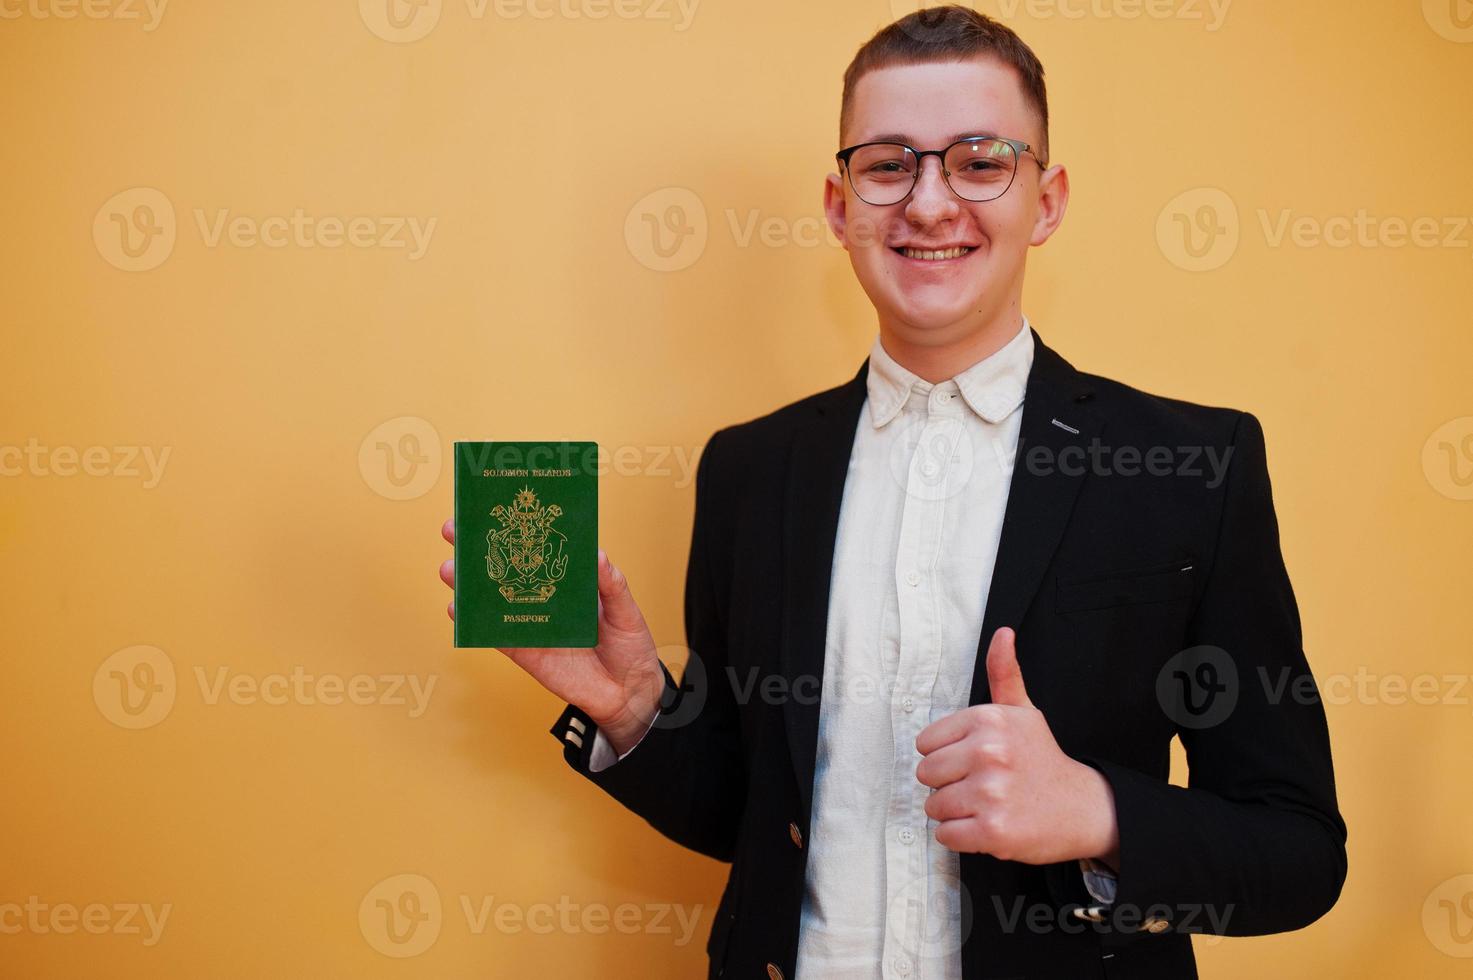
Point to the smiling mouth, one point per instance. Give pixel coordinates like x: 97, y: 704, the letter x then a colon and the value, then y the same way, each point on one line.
x: 933, y: 255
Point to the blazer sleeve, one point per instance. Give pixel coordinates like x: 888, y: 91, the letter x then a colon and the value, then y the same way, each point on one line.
x: 687, y: 777
x: 1255, y: 843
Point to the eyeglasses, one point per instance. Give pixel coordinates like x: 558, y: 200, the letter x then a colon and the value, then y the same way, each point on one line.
x: 976, y: 169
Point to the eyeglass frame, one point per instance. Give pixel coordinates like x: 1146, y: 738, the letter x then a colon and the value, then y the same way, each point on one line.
x: 1018, y: 146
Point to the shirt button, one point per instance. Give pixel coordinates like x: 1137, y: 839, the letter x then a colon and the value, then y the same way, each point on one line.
x: 913, y: 577
x: 928, y: 468
x: 908, y: 703
x: 902, y: 966
x: 906, y: 835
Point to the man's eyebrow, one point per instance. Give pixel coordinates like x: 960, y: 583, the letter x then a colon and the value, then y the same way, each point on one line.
x: 903, y: 138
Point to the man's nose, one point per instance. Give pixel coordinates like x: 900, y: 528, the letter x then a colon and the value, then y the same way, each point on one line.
x: 932, y: 200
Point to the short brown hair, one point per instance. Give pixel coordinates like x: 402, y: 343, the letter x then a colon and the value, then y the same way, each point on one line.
x: 950, y: 33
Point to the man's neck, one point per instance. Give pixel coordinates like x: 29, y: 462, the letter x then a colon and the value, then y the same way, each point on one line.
x: 937, y: 362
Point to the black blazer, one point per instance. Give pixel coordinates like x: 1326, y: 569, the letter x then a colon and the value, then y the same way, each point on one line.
x: 1148, y: 603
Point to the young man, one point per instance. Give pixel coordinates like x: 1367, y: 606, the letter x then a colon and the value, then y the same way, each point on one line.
x: 946, y: 618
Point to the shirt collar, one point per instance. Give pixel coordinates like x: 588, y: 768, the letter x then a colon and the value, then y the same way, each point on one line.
x: 992, y: 388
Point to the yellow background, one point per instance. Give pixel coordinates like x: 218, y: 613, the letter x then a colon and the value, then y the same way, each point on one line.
x: 535, y: 313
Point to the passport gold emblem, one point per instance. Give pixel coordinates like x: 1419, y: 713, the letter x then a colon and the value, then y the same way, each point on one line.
x: 525, y: 557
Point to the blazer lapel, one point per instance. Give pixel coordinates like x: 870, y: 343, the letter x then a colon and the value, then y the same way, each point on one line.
x: 1040, y: 495
x: 817, y: 467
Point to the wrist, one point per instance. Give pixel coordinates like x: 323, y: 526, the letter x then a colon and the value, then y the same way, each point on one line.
x: 629, y: 723
x: 1100, y: 830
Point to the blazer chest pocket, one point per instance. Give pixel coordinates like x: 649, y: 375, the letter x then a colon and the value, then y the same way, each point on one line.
x: 1159, y: 582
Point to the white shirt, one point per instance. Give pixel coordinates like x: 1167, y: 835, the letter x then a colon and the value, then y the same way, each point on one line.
x: 918, y: 532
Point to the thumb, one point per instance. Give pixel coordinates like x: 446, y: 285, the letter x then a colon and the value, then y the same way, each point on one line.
x: 1004, y: 676
x: 619, y: 608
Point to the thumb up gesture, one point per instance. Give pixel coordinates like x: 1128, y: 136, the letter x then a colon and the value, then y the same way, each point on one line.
x: 1002, y: 786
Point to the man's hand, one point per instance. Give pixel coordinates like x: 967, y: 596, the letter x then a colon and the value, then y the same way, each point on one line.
x: 619, y: 681
x: 1002, y: 786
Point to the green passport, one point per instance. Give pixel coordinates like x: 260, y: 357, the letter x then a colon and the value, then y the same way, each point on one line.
x: 526, y: 544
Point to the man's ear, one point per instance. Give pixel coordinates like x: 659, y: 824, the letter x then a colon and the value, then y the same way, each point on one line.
x: 834, y: 207
x: 1053, y: 200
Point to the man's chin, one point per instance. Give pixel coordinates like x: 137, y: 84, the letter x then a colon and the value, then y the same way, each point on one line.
x: 924, y: 315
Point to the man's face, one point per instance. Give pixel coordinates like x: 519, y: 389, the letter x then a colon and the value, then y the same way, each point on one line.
x: 928, y: 106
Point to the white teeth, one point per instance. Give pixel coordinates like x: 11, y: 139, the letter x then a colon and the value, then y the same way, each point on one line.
x: 931, y: 255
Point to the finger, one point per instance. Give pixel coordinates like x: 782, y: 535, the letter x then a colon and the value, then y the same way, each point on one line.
x: 1004, y: 676
x: 447, y: 572
x: 967, y: 835
x: 619, y: 608
x: 447, y: 530
x: 951, y: 803
x: 952, y: 728
x: 451, y: 609
x: 953, y: 762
